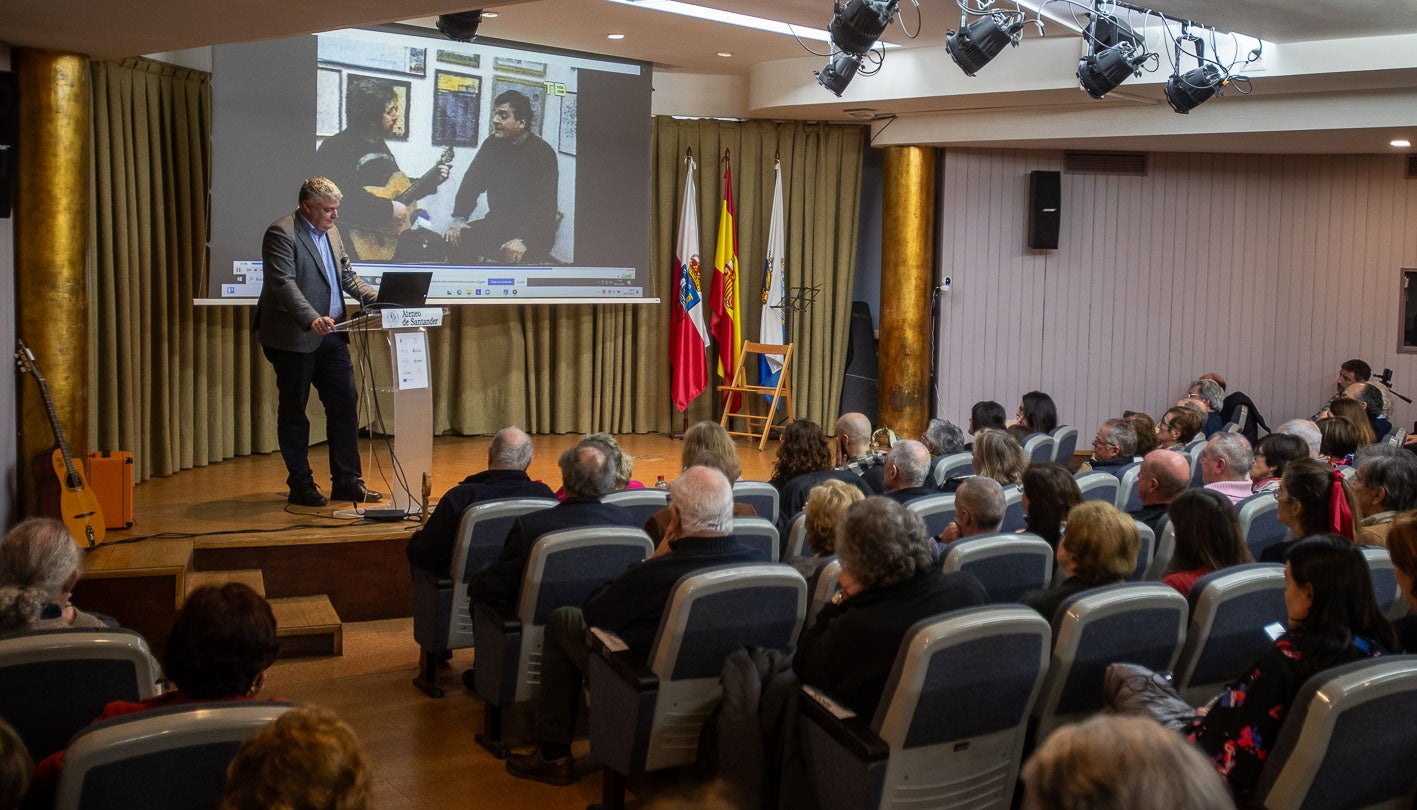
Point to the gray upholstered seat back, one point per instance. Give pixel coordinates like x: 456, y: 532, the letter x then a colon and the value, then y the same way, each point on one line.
x: 481, y: 534
x: 1038, y: 447
x: 1229, y: 611
x: 1385, y: 588
x: 642, y: 503
x: 796, y: 544
x: 1098, y: 486
x: 936, y: 510
x: 760, y: 495
x: 1009, y: 565
x: 1013, y: 509
x: 758, y: 533
x: 1065, y: 443
x: 1146, y: 550
x: 1128, y: 496
x: 1259, y: 523
x: 953, y: 466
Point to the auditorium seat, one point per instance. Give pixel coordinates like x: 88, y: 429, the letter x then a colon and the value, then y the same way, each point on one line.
x: 642, y: 503
x: 173, y: 758
x: 822, y: 588
x: 1259, y: 523
x: 1348, y: 742
x: 562, y: 570
x: 55, y: 682
x: 1038, y: 447
x: 758, y: 533
x: 1128, y: 493
x: 953, y: 466
x: 1013, y: 509
x: 1230, y: 609
x: 1146, y: 551
x: 936, y: 510
x: 646, y: 714
x: 1141, y: 623
x: 760, y: 495
x: 1007, y: 564
x: 1194, y: 450
x: 796, y: 543
x: 1065, y: 443
x: 1385, y: 588
x: 1098, y: 486
x: 1165, y: 550
x: 442, y: 616
x: 951, y: 725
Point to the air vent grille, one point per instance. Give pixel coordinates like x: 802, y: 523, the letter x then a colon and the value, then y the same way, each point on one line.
x: 1128, y: 163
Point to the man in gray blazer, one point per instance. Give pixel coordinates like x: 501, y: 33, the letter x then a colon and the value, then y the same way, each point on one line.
x: 306, y: 271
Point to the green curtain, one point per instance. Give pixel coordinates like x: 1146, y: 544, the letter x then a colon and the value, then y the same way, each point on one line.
x: 184, y: 386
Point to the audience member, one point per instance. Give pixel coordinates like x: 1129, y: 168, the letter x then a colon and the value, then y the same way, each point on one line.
x: 306, y: 759
x: 699, y: 536
x: 39, y: 566
x: 1114, y: 447
x: 986, y: 415
x: 1350, y: 372
x: 1146, y: 433
x: 824, y: 510
x: 1357, y: 413
x: 979, y: 509
x: 1036, y: 414
x: 1338, y: 440
x: 1384, y: 485
x: 907, y: 465
x: 943, y: 439
x: 1049, y: 494
x: 1229, y: 409
x: 1163, y: 475
x: 219, y: 648
x: 1402, y: 545
x: 1376, y: 404
x: 624, y: 463
x: 804, y: 450
x: 1225, y: 466
x: 1098, y: 547
x: 1208, y: 537
x: 853, y: 443
x: 1110, y: 762
x: 16, y: 767
x: 587, y: 475
x: 431, y: 547
x: 1333, y: 619
x: 888, y: 583
x: 1210, y: 395
x: 997, y: 455
x: 1178, y: 426
x: 1272, y: 455
x: 1313, y: 499
x: 1306, y: 430
x: 706, y: 444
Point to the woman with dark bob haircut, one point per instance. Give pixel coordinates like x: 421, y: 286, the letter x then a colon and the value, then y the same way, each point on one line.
x: 1333, y: 619
x: 1339, y: 439
x: 1272, y: 455
x: 804, y: 450
x: 1313, y: 498
x: 1036, y: 414
x: 1049, y: 493
x: 219, y: 648
x: 1208, y: 537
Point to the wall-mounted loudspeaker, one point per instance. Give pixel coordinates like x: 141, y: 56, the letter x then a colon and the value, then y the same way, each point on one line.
x: 1045, y: 201
x: 9, y: 138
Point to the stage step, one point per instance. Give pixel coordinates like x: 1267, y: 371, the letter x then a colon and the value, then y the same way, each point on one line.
x: 248, y: 576
x: 306, y: 626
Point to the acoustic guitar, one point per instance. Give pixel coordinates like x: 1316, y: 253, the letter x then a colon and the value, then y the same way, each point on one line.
x: 64, y: 492
x: 379, y: 244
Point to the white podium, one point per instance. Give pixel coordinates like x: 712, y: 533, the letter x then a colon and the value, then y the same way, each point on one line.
x: 410, y: 388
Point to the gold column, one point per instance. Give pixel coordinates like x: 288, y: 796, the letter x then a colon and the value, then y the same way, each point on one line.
x: 907, y: 267
x: 51, y: 249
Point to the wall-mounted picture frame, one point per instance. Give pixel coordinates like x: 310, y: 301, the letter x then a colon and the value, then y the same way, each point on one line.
x: 457, y: 108
x: 383, y: 57
x: 520, y: 67
x: 534, y: 91
x: 402, y: 91
x: 470, y: 60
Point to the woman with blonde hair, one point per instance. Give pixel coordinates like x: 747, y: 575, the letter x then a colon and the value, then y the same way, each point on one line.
x: 39, y: 566
x: 824, y: 509
x: 1356, y: 413
x: 1098, y: 547
x: 997, y: 455
x: 307, y: 759
x: 708, y: 437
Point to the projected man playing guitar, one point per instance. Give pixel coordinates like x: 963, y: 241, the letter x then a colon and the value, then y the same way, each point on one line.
x: 380, y: 203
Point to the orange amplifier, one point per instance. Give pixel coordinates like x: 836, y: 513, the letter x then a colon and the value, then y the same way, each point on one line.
x: 111, y: 479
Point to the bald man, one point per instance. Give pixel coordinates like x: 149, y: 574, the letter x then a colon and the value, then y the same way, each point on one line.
x: 907, y: 466
x: 1164, y: 474
x: 853, y: 444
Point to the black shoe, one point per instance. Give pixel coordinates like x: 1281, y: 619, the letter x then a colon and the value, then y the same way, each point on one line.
x: 469, y: 679
x: 356, y: 493
x: 307, y: 495
x: 551, y: 771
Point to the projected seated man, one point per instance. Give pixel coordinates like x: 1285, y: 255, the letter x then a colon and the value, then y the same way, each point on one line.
x: 379, y: 207
x: 517, y: 171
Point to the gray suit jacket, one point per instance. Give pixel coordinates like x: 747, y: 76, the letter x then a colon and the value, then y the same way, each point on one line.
x: 296, y: 289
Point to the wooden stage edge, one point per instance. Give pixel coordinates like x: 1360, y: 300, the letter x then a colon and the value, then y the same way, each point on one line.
x: 233, y: 517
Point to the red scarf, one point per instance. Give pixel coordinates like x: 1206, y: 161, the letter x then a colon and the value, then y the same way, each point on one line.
x: 1340, y: 516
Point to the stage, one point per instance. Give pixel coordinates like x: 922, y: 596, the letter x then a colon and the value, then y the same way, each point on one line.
x: 231, y: 521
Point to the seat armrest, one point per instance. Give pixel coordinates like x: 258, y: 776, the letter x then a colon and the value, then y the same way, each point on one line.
x: 627, y: 666
x: 845, y: 726
x: 494, y: 614
x: 423, y: 576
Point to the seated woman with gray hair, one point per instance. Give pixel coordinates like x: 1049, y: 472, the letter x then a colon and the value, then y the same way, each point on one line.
x: 942, y: 438
x: 39, y: 566
x: 888, y: 583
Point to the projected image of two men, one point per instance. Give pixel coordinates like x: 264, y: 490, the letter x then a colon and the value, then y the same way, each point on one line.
x: 453, y: 155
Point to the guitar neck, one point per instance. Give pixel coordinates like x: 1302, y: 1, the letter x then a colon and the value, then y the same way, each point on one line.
x: 57, y: 428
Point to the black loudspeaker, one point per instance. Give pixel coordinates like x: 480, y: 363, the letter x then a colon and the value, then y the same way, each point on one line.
x: 9, y: 137
x: 1045, y: 201
x: 859, y: 389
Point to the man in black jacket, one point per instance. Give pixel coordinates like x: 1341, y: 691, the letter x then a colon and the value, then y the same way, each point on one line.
x: 431, y: 547
x: 699, y: 536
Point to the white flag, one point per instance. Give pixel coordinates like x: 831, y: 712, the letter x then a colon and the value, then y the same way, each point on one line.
x: 773, y: 322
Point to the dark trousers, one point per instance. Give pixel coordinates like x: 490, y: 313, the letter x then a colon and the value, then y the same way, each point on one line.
x: 565, y: 656
x: 330, y: 371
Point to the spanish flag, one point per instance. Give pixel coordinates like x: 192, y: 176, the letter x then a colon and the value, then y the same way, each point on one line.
x: 724, y: 299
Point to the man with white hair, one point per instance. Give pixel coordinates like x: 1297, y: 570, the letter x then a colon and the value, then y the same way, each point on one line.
x: 1212, y: 396
x: 699, y: 536
x: 431, y: 547
x: 907, y: 465
x: 853, y: 444
x: 1114, y: 447
x: 1306, y: 430
x: 1225, y: 466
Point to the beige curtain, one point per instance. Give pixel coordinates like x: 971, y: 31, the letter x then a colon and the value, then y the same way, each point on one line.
x: 184, y: 386
x: 821, y: 176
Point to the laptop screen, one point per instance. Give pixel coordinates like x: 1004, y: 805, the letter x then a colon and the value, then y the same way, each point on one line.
x: 403, y: 289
